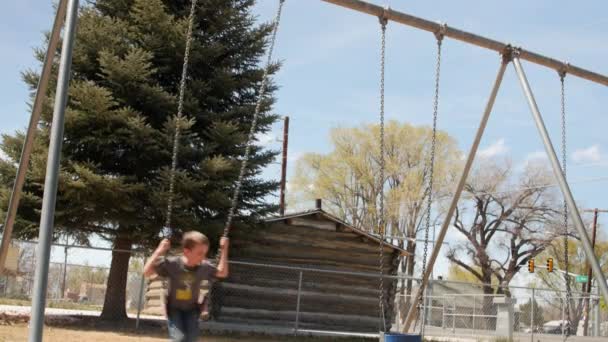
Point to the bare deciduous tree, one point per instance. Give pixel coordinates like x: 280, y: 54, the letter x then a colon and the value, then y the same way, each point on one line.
x: 505, y: 222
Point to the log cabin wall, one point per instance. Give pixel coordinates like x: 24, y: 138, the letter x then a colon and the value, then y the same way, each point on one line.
x: 328, y: 301
x: 266, y: 295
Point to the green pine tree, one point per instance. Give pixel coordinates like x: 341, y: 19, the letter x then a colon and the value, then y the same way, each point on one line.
x: 120, y: 123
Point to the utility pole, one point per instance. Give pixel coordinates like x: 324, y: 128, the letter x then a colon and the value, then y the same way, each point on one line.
x: 284, y: 166
x: 589, y: 270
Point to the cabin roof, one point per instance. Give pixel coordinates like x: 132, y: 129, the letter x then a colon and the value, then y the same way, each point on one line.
x: 320, y: 213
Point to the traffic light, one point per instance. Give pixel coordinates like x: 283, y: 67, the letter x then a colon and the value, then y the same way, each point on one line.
x: 531, y: 265
x: 550, y: 264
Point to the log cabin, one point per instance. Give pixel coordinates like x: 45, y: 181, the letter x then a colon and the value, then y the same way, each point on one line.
x: 309, y: 269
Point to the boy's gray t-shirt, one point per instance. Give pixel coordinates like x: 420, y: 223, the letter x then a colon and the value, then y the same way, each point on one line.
x: 184, y: 282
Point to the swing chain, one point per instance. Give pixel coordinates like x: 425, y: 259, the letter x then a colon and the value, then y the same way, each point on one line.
x: 382, y: 224
x: 430, y: 179
x: 562, y: 76
x: 254, y: 122
x: 179, y: 117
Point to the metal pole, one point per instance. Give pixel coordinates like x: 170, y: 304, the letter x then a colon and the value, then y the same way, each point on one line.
x: 474, y: 313
x: 467, y: 37
x: 298, y: 304
x: 532, y: 313
x: 590, y: 275
x: 563, y: 320
x: 43, y: 83
x: 52, y: 173
x: 284, y: 166
x: 413, y: 312
x: 596, y: 319
x: 65, y: 270
x: 454, y: 316
x: 443, y: 314
x: 424, y: 311
x: 141, y: 296
x: 563, y: 184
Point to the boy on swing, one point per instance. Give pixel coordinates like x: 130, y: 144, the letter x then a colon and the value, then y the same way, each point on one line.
x: 185, y: 274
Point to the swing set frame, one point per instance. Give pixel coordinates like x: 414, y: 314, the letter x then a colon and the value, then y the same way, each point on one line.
x: 509, y: 54
x: 67, y: 11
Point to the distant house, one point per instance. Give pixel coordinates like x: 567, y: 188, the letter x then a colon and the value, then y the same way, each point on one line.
x: 338, y: 265
x: 71, y: 296
x: 458, y: 305
x: 92, y: 293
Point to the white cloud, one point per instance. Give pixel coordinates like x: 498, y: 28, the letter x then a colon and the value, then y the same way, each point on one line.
x: 535, y: 156
x: 497, y: 148
x: 266, y: 139
x: 590, y: 154
x: 3, y: 155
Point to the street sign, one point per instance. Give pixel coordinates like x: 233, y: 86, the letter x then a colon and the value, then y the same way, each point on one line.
x: 582, y: 279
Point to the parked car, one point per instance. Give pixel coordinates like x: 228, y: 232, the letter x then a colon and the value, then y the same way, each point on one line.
x: 554, y: 327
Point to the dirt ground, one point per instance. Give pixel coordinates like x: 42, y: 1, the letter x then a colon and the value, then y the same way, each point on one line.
x: 87, y: 329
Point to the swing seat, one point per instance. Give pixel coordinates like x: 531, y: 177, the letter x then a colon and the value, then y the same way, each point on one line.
x: 396, y: 337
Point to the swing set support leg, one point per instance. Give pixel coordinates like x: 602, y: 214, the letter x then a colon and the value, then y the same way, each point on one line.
x: 413, y: 311
x: 561, y: 179
x: 31, y: 131
x: 47, y: 214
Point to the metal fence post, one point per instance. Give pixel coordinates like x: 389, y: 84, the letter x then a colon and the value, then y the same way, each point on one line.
x: 454, y: 315
x: 596, y: 318
x: 298, y: 303
x: 141, y: 296
x: 424, y: 309
x: 532, y: 321
x: 65, y: 270
x: 474, y: 314
x: 563, y: 318
x: 443, y: 314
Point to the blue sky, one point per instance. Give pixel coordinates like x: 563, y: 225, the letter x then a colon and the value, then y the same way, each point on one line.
x: 331, y: 67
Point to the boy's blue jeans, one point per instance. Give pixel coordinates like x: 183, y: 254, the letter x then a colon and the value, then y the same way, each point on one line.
x: 183, y: 325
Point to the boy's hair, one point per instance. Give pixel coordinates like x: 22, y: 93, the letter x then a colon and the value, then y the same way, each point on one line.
x: 193, y: 238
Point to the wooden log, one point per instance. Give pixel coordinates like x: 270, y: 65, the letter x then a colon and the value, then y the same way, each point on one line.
x: 311, y: 262
x: 280, y: 233
x: 354, y: 246
x: 315, y: 284
x: 318, y: 258
x: 231, y: 313
x: 318, y: 325
x: 283, y: 299
x: 245, y: 274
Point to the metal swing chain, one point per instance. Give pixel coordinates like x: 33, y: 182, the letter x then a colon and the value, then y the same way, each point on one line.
x: 176, y: 137
x: 383, y: 22
x: 235, y: 195
x: 254, y: 122
x: 429, y: 189
x: 180, y: 114
x: 562, y: 76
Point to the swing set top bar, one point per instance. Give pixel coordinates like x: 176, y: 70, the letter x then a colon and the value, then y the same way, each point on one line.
x: 487, y: 43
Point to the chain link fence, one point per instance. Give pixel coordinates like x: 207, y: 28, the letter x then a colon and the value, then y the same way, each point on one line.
x: 77, y: 280
x: 461, y: 310
x: 275, y: 299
